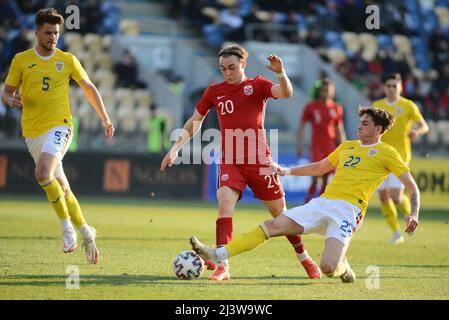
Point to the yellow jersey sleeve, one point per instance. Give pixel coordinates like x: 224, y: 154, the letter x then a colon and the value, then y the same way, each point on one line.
x: 334, y: 156
x: 15, y: 73
x: 78, y: 72
x: 415, y: 114
x: 394, y: 163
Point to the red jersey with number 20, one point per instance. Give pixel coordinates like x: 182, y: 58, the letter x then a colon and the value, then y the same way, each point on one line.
x: 241, y: 112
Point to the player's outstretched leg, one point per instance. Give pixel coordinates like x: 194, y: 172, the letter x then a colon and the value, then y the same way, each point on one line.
x: 205, y: 252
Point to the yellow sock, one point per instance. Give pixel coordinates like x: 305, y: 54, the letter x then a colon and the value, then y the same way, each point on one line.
x: 405, y: 206
x: 75, y: 210
x: 390, y: 213
x: 248, y: 241
x: 341, y: 268
x: 56, y: 197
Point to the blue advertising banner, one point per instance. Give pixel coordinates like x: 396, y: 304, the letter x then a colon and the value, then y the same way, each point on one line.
x: 295, y: 187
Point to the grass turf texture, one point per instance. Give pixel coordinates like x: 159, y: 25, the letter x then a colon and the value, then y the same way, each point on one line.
x: 138, y: 240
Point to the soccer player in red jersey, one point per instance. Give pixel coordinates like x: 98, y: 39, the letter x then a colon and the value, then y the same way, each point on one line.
x: 326, y: 119
x: 240, y: 104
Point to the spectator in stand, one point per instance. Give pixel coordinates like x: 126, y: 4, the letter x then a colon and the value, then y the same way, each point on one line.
x: 444, y: 105
x: 20, y: 43
x: 351, y: 17
x: 126, y: 72
x: 432, y: 107
x: 91, y: 12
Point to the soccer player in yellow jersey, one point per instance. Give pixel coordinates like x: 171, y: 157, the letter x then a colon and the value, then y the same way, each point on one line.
x: 361, y: 165
x: 398, y: 136
x: 42, y: 76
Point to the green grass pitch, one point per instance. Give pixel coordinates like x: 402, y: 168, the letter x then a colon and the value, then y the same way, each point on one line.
x: 138, y: 240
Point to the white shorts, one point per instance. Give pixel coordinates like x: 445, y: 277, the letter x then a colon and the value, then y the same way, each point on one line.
x: 334, y: 218
x: 391, y: 182
x: 55, y: 141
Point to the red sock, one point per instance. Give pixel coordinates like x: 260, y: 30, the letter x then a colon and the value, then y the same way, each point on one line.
x: 296, y: 242
x: 223, y: 231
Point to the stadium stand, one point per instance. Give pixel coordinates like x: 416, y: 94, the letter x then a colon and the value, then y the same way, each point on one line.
x: 413, y: 40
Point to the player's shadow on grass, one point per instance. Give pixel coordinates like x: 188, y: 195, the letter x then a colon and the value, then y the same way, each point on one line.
x: 117, y: 280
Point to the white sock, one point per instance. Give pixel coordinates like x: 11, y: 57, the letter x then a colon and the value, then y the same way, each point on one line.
x: 222, y: 254
x: 303, y: 256
x: 86, y: 231
x: 66, y: 224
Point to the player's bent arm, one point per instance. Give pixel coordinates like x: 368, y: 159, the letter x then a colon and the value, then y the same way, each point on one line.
x: 410, y: 184
x: 9, y: 97
x: 421, y: 127
x: 94, y: 98
x: 313, y: 169
x: 284, y: 89
x: 191, y: 127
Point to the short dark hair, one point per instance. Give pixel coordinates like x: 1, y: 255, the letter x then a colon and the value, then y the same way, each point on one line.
x: 380, y: 117
x: 48, y: 15
x: 392, y: 76
x: 233, y: 50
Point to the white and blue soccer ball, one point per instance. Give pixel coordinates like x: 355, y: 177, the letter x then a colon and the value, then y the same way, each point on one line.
x: 188, y: 265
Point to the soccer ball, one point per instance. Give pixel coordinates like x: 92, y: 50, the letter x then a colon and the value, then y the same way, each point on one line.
x: 188, y: 265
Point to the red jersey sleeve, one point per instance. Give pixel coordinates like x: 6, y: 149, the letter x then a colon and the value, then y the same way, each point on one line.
x: 306, y: 114
x: 265, y: 87
x: 204, y: 105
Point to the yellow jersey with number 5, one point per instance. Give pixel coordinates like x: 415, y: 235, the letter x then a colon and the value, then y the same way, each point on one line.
x: 360, y: 170
x: 405, y: 112
x: 44, y: 85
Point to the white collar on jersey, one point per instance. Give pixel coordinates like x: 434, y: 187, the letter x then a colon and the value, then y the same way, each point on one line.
x: 392, y: 102
x: 369, y: 145
x: 44, y: 57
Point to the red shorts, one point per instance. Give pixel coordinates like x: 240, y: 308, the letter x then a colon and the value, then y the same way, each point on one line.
x: 265, y: 185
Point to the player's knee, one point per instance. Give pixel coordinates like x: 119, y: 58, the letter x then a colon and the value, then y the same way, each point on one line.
x: 273, y: 228
x: 225, y: 207
x: 327, y: 267
x: 42, y: 174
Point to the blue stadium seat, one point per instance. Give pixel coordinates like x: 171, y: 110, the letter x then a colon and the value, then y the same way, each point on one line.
x: 442, y: 3
x: 430, y: 22
x: 334, y: 40
x: 385, y: 42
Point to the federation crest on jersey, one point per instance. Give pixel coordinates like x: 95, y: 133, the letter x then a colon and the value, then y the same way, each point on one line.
x: 333, y: 113
x: 398, y: 111
x: 59, y: 65
x: 372, y: 152
x: 248, y: 89
x: 225, y: 177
